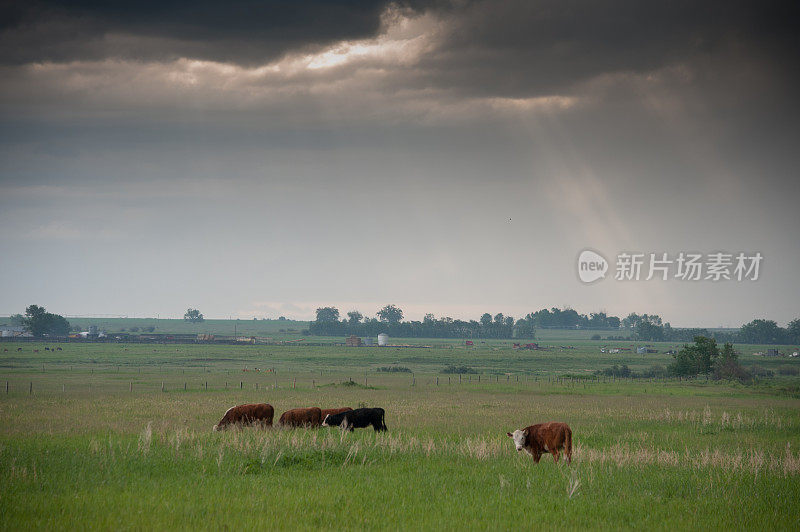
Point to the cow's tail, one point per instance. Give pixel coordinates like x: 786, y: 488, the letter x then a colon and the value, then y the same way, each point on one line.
x: 383, y: 421
x: 568, y: 445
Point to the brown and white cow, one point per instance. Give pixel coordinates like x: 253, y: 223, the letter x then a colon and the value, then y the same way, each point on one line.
x: 544, y: 438
x: 327, y: 411
x: 302, y: 417
x: 258, y: 413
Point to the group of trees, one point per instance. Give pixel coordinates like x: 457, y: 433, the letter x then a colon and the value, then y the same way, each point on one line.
x: 568, y: 318
x: 704, y: 357
x: 193, y: 316
x: 650, y: 328
x: 768, y: 332
x: 389, y: 320
x: 41, y: 323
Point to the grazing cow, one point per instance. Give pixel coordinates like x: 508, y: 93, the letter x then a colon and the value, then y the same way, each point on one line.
x: 301, y: 417
x: 259, y: 413
x: 544, y: 438
x: 326, y: 411
x: 357, y: 419
x: 47, y: 349
x: 59, y: 349
x: 19, y: 349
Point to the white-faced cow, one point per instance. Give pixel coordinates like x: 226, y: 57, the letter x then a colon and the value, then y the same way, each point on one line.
x: 250, y: 414
x: 544, y: 438
x: 357, y: 419
x: 301, y: 417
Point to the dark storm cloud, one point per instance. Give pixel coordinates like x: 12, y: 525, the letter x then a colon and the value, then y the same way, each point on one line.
x: 518, y: 48
x: 242, y: 31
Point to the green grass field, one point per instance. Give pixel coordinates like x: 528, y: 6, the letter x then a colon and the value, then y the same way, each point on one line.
x: 89, y: 440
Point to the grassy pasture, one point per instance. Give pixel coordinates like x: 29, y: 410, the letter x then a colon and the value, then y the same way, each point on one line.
x: 84, y: 451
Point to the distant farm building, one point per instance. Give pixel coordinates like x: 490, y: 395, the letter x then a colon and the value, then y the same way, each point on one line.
x: 12, y: 331
x: 353, y: 341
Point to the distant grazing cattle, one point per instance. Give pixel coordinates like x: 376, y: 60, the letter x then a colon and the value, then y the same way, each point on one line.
x: 35, y: 350
x: 301, y: 417
x: 259, y: 413
x: 328, y: 411
x: 19, y: 349
x: 59, y: 349
x: 47, y: 349
x: 5, y: 350
x: 357, y: 419
x: 544, y: 438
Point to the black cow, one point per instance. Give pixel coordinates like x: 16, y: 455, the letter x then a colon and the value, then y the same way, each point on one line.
x: 357, y: 419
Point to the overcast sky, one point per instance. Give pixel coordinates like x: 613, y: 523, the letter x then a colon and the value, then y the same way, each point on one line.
x: 266, y: 158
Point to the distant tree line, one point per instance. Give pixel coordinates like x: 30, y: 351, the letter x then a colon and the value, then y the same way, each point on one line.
x: 759, y: 331
x: 389, y: 320
x: 642, y: 327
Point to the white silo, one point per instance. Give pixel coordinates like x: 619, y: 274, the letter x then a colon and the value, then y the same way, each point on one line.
x: 383, y: 340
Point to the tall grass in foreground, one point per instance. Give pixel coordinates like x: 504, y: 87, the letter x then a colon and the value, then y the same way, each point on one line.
x: 308, y: 479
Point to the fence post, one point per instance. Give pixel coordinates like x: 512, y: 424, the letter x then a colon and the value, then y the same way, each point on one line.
x: 162, y: 386
x: 30, y: 390
x: 130, y: 388
x: 294, y: 383
x: 6, y: 387
x: 437, y: 381
x: 241, y: 385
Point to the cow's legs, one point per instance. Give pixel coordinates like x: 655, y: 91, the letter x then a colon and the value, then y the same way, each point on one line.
x: 555, y: 455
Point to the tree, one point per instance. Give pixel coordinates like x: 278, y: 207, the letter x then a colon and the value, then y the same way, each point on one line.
x: 486, y: 319
x: 355, y: 317
x: 193, y: 316
x: 390, y: 314
x: 631, y: 320
x: 327, y: 314
x: 498, y: 318
x: 727, y: 366
x: 761, y: 332
x: 17, y: 320
x: 697, y: 358
x: 649, y: 332
x: 40, y: 323
x: 793, y: 330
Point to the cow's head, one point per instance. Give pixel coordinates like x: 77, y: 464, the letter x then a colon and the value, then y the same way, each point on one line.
x: 216, y: 428
x: 325, y: 421
x: 519, y: 437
